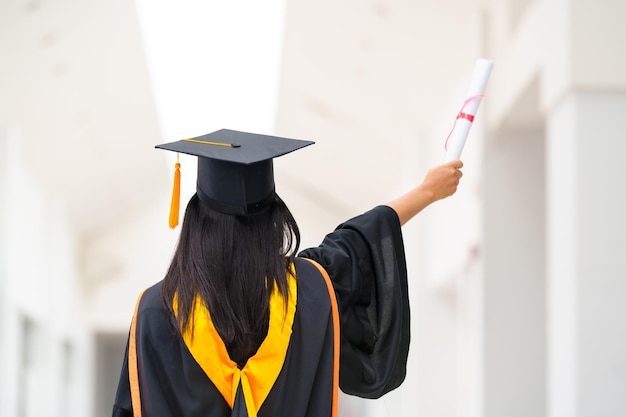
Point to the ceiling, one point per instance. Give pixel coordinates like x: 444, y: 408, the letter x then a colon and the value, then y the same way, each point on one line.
x: 76, y: 93
x: 76, y: 89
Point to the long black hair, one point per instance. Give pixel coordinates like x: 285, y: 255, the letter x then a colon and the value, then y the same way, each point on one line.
x: 232, y: 263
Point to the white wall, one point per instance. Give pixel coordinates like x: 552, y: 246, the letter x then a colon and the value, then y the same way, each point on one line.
x: 44, y: 347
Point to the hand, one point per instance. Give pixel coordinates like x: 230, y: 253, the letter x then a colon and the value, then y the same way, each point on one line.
x: 442, y: 181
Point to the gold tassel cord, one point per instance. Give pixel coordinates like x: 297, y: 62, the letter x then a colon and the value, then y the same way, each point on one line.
x: 204, y: 142
x: 175, y: 204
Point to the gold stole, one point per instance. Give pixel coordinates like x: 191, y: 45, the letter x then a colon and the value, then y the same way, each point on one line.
x: 259, y: 374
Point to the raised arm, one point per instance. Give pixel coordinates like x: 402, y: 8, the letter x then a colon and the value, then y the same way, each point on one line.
x: 440, y: 182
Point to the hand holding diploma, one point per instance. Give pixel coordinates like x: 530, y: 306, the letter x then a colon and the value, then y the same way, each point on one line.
x: 440, y: 182
x: 465, y: 118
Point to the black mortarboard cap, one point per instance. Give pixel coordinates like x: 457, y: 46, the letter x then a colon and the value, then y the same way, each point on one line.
x: 235, y: 169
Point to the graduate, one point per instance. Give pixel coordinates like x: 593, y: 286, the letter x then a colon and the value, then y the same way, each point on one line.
x: 244, y: 325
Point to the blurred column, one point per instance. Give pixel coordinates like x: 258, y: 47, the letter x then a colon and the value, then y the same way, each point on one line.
x: 514, y: 277
x: 9, y: 331
x: 513, y: 253
x: 586, y: 202
x: 4, y: 375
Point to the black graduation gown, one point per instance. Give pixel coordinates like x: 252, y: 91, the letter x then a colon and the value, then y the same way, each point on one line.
x: 365, y: 260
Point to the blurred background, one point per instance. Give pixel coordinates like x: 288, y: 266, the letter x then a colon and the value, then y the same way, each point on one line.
x: 517, y: 283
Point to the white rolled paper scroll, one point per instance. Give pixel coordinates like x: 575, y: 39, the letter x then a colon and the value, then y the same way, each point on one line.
x: 465, y: 118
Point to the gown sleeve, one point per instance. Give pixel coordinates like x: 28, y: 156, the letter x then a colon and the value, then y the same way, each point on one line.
x: 364, y: 258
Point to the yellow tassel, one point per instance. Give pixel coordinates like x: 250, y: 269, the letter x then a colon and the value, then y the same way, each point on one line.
x: 175, y: 205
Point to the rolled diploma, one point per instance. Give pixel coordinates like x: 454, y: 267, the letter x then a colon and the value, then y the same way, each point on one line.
x: 458, y: 136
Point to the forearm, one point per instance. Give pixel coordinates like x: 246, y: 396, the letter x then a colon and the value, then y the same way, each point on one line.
x: 411, y: 203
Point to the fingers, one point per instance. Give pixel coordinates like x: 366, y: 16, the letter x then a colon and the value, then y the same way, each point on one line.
x: 457, y: 164
x: 456, y: 174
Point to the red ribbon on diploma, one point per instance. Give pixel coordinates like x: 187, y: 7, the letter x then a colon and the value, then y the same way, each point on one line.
x: 467, y: 116
x: 462, y: 115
